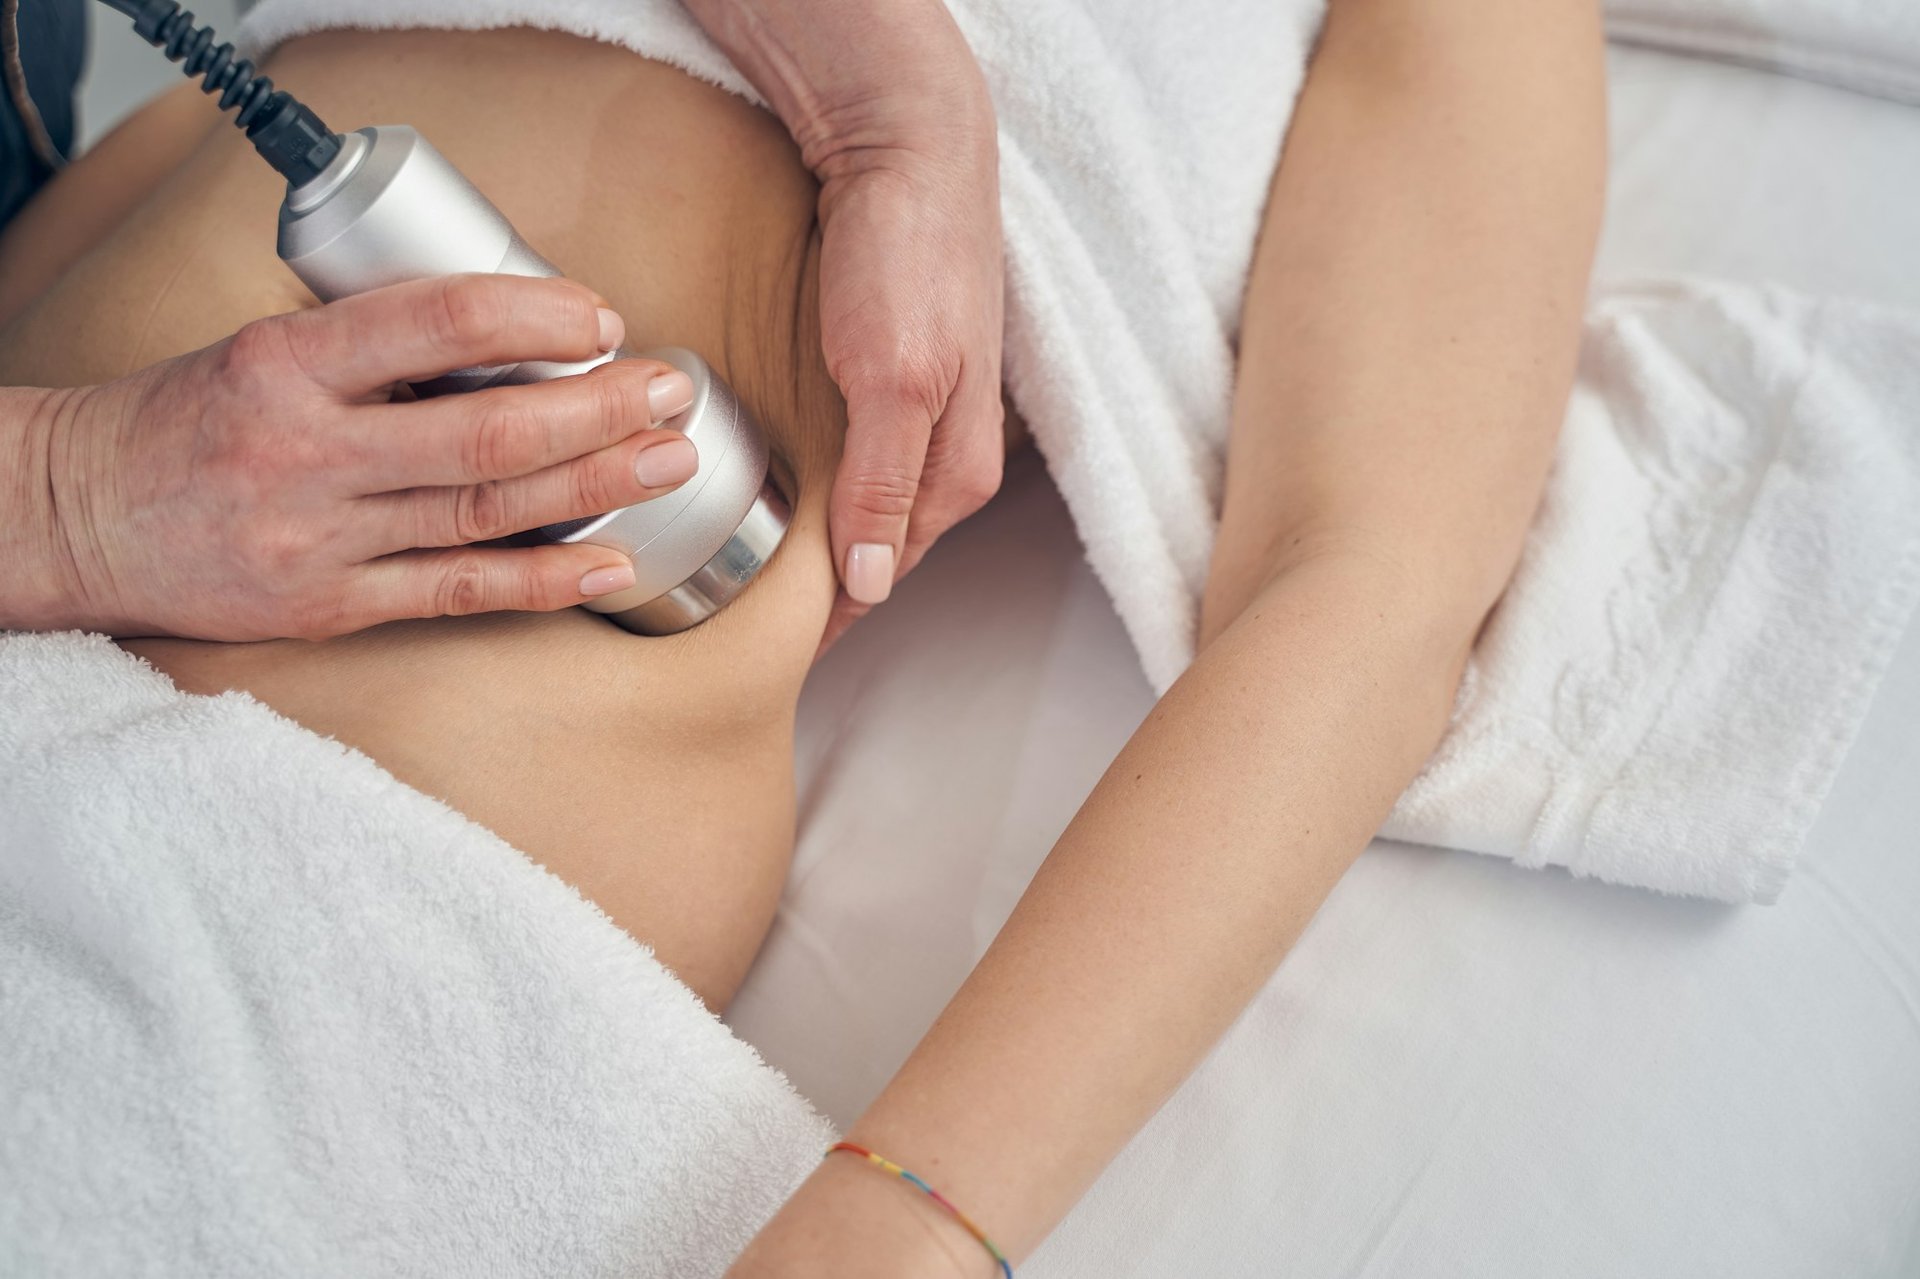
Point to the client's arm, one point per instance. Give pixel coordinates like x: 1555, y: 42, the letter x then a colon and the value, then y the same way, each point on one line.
x: 1408, y: 346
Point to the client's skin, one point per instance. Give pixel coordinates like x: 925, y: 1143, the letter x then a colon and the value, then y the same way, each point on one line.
x: 1406, y: 351
x: 655, y: 775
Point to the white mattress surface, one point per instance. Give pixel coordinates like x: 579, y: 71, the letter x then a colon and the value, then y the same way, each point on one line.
x: 1464, y: 1068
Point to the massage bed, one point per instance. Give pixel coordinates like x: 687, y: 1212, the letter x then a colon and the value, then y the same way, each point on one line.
x: 1464, y: 1068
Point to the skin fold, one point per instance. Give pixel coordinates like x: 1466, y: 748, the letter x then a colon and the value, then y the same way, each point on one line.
x: 1406, y: 354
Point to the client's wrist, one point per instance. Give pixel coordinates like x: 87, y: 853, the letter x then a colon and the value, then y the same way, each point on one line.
x: 848, y: 1220
x: 42, y: 582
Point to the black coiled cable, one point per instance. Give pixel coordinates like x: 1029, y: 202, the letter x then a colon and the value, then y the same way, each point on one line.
x: 284, y: 130
x: 232, y: 78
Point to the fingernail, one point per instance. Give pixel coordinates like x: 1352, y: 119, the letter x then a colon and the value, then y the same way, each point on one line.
x: 671, y: 461
x: 869, y: 571
x: 613, y: 329
x: 668, y: 394
x: 605, y: 581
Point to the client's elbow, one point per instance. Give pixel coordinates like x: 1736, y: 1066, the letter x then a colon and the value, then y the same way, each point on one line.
x: 1433, y: 595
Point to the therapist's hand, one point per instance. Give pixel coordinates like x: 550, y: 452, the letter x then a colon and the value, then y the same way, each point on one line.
x: 892, y: 114
x: 269, y: 486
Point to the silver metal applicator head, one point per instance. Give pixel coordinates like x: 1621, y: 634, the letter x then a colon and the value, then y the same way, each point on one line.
x: 388, y: 208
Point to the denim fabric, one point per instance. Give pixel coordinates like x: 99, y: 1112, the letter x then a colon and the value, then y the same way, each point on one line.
x: 53, y: 51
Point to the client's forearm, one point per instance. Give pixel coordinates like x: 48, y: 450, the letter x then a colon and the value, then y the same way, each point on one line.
x: 1173, y: 895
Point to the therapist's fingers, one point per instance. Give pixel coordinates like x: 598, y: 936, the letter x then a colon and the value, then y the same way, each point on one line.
x: 455, y: 583
x: 635, y: 470
x: 361, y: 345
x: 506, y: 431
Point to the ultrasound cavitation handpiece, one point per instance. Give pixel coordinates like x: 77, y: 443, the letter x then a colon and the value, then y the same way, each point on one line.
x: 379, y: 206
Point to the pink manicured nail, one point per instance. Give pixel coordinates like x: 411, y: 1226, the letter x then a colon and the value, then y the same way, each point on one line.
x: 869, y: 571
x: 668, y: 394
x: 605, y: 581
x: 613, y: 330
x: 671, y: 461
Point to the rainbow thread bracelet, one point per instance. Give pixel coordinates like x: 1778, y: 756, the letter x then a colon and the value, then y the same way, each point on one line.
x: 887, y: 1165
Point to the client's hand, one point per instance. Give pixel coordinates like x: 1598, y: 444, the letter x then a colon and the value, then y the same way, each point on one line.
x: 892, y: 114
x: 269, y: 486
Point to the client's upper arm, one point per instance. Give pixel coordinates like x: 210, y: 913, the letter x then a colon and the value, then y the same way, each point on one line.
x: 1411, y: 322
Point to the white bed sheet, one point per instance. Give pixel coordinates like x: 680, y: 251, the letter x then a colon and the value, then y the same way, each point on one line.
x: 1464, y: 1068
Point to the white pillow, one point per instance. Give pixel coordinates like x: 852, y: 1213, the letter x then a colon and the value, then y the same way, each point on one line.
x: 1872, y: 46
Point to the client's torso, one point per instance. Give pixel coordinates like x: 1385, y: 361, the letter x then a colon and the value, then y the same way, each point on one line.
x: 655, y: 775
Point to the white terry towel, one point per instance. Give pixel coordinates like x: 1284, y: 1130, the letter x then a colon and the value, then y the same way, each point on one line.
x: 267, y: 1011
x: 1137, y: 152
x: 1725, y: 559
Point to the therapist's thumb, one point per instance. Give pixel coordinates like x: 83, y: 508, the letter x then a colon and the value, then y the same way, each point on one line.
x: 888, y: 429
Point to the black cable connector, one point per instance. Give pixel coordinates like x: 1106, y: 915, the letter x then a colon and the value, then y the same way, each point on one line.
x: 295, y: 141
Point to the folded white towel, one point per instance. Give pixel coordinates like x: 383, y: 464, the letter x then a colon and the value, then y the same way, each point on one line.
x: 269, y: 1012
x: 1872, y: 46
x: 1665, y: 698
x: 1726, y: 557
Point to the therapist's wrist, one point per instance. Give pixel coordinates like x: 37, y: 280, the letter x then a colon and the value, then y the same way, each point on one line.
x: 852, y: 77
x: 52, y: 573
x: 35, y: 573
x: 41, y: 585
